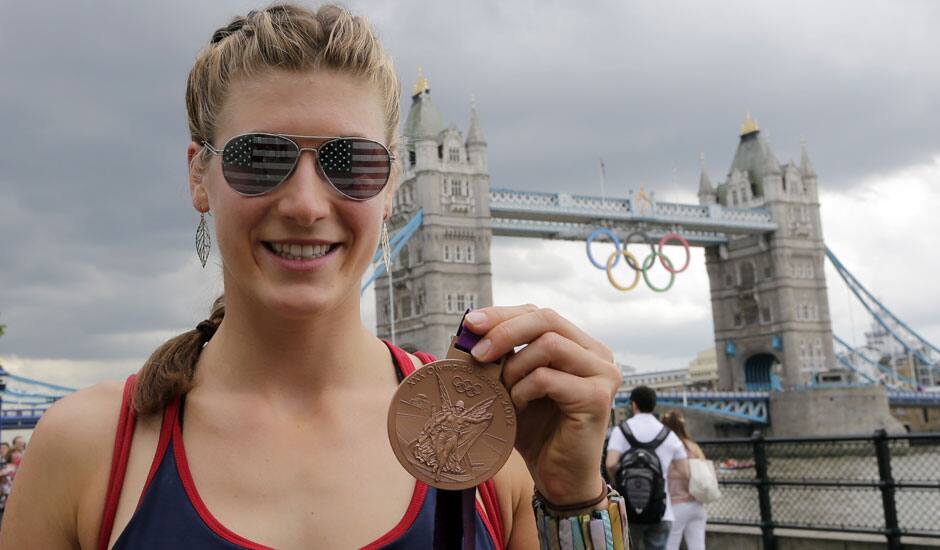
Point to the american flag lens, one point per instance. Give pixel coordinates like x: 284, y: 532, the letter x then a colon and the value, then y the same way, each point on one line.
x: 254, y: 164
x: 358, y: 168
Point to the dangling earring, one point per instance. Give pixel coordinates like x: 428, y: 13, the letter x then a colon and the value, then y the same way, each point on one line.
x: 386, y: 249
x: 203, y: 241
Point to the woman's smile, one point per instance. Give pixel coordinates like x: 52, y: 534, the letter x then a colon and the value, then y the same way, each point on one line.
x: 299, y: 255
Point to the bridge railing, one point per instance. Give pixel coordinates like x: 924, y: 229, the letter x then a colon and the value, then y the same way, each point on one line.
x: 881, y: 484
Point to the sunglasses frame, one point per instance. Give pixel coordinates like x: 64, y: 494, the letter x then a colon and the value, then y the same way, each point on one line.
x: 316, y: 151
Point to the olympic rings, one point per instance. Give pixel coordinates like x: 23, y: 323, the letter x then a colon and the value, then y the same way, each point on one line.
x: 646, y: 239
x: 667, y: 263
x: 628, y: 258
x: 673, y: 236
x: 590, y: 239
x: 640, y: 269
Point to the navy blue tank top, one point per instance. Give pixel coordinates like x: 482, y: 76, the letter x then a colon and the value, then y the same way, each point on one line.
x: 171, y: 514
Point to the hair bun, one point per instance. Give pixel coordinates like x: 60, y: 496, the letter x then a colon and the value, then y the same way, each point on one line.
x: 233, y: 27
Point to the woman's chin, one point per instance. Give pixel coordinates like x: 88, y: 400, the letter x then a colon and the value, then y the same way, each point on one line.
x: 302, y: 304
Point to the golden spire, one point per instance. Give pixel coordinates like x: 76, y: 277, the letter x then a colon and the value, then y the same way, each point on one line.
x: 749, y: 125
x: 421, y: 85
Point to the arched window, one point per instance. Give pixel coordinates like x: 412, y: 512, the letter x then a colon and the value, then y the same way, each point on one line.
x: 746, y: 277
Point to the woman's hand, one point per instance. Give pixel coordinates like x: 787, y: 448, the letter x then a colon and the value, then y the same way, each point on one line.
x: 562, y: 384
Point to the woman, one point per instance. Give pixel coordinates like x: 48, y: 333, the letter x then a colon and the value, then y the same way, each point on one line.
x: 287, y: 354
x: 690, y: 513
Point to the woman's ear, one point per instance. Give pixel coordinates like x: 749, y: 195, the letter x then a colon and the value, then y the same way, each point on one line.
x: 197, y: 169
x: 389, y: 198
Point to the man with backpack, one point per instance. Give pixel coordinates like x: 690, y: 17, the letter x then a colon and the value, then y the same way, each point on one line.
x: 638, y: 457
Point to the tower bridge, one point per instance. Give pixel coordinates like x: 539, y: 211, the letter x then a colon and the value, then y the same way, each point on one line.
x: 760, y: 228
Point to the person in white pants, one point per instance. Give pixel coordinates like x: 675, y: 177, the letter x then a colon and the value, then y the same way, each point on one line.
x: 689, y: 513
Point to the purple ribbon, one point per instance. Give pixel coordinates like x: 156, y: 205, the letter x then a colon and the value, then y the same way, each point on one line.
x: 449, y: 533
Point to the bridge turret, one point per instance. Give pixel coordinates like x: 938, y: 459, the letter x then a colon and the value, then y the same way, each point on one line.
x: 769, y: 301
x: 422, y: 128
x: 444, y: 268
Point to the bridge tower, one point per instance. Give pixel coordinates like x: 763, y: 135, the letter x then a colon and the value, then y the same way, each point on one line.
x: 768, y: 292
x: 445, y: 267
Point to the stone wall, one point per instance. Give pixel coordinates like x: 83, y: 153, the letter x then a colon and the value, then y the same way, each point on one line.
x: 822, y: 411
x: 918, y: 418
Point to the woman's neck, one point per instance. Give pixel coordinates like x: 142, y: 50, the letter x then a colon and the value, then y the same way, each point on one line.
x: 271, y: 356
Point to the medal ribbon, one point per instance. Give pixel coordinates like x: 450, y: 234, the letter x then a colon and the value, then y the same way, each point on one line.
x: 448, y: 533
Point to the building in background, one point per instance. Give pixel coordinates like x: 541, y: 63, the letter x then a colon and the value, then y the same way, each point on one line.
x: 700, y: 374
x: 703, y: 370
x: 881, y: 347
x: 663, y: 380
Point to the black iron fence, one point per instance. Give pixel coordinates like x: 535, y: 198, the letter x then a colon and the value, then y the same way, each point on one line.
x: 879, y: 484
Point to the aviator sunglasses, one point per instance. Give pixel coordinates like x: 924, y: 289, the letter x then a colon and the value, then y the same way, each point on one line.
x: 256, y: 163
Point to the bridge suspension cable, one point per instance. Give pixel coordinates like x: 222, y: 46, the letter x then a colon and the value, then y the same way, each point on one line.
x: 849, y: 355
x: 915, y: 344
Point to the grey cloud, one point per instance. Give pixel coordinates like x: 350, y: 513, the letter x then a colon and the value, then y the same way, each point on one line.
x: 95, y: 212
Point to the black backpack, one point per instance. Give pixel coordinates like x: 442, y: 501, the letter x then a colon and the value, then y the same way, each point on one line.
x: 639, y: 478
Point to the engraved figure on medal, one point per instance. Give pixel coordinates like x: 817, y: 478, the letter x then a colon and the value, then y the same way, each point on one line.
x: 451, y: 425
x: 450, y: 432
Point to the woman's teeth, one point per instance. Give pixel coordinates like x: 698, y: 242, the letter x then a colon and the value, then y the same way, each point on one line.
x: 300, y: 252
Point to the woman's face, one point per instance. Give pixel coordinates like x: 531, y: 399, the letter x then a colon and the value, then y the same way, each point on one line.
x: 304, y: 210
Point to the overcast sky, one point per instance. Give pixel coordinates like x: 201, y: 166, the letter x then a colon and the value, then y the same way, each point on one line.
x: 97, y: 265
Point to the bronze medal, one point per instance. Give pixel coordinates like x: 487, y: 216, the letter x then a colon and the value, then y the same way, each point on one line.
x: 452, y: 423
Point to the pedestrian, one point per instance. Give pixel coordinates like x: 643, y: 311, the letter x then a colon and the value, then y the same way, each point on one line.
x: 293, y: 116
x: 649, y: 533
x: 19, y: 443
x: 690, y: 516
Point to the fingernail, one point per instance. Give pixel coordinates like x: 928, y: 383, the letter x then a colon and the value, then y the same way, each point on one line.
x: 475, y: 317
x: 481, y: 348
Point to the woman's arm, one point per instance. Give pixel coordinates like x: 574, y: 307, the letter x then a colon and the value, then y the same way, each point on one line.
x: 514, y: 490
x: 67, y: 452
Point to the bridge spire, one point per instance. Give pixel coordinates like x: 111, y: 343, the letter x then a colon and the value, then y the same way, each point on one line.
x: 706, y: 191
x: 805, y: 165
x: 474, y: 132
x: 421, y: 84
x: 749, y: 126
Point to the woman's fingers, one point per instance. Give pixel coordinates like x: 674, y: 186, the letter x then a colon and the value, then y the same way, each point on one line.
x: 555, y: 351
x: 504, y: 328
x: 568, y: 391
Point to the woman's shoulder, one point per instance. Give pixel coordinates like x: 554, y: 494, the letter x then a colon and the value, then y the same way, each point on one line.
x: 81, y: 427
x: 86, y: 415
x: 694, y: 450
x: 69, y: 454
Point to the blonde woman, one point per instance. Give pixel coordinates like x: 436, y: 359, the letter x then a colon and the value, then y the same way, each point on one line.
x: 161, y: 461
x: 690, y: 516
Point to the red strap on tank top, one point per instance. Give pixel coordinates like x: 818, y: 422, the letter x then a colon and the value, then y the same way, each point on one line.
x: 122, y: 448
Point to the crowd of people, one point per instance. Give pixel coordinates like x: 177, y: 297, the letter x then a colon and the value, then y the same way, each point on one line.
x: 10, y: 456
x: 639, y: 452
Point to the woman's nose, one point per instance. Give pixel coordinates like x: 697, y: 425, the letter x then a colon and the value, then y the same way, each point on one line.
x: 306, y: 196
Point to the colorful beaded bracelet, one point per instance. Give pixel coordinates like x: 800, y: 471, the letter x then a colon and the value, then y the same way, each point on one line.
x: 595, y: 530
